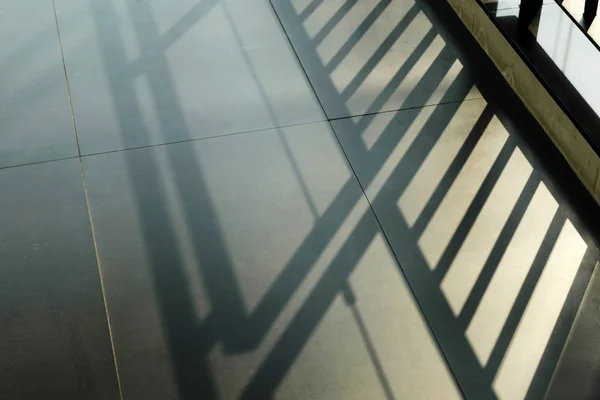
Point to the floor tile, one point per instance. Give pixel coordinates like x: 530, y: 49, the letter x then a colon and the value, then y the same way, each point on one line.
x: 35, y: 118
x: 577, y: 373
x: 250, y: 266
x: 369, y: 56
x: 53, y: 333
x: 491, y: 250
x: 143, y: 73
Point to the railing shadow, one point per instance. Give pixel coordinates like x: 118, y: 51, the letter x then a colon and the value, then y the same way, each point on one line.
x: 390, y: 166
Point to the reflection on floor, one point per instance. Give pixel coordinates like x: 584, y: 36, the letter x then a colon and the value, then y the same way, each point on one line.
x: 299, y: 199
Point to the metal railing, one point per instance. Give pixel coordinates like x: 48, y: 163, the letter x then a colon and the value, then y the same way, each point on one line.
x: 530, y: 8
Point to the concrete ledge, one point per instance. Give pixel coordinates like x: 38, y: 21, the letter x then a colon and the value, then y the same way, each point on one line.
x: 567, y: 138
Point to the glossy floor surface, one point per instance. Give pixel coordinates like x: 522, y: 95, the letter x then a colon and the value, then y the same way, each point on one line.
x: 569, y: 48
x: 560, y: 45
x: 296, y: 199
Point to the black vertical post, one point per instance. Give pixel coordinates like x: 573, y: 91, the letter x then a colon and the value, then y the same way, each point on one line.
x: 589, y: 13
x: 528, y: 11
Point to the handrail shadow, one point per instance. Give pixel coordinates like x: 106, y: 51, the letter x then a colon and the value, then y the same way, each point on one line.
x: 190, y: 340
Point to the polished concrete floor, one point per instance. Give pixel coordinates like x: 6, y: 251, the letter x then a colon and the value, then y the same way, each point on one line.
x: 296, y: 199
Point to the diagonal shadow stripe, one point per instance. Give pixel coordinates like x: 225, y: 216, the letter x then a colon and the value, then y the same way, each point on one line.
x: 383, y: 49
x: 296, y: 270
x: 350, y: 300
x: 390, y: 136
x: 333, y: 21
x: 385, y: 144
x: 272, y: 114
x: 289, y: 345
x: 520, y: 304
x: 432, y: 302
x: 293, y: 274
x: 185, y: 23
x: 222, y: 286
x: 312, y: 7
x: 569, y: 317
x: 179, y: 28
x: 170, y: 284
x: 473, y: 210
x: 358, y: 33
x: 426, y: 86
x: 406, y: 169
x: 452, y: 172
x: 491, y: 264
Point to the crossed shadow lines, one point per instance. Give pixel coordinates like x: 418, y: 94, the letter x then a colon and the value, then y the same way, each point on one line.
x: 447, y: 149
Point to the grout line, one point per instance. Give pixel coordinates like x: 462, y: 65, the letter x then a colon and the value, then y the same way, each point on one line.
x: 39, y: 162
x: 203, y: 138
x: 364, y: 195
x: 289, y: 40
x: 159, y: 144
x: 391, y: 249
x: 62, y: 54
x: 99, y: 153
x: 406, y: 108
x: 87, y: 205
x: 98, y: 264
x: 273, y: 115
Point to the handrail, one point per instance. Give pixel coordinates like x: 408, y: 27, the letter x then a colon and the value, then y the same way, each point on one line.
x: 584, y: 113
x: 529, y: 9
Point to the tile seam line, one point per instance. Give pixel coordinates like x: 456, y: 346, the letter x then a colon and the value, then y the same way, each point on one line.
x: 80, y: 156
x: 38, y: 162
x: 398, y: 110
x: 155, y: 145
x: 364, y: 195
x: 64, y: 64
x: 259, y: 130
x: 148, y: 146
x: 406, y: 280
x: 102, y: 286
x: 87, y: 205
